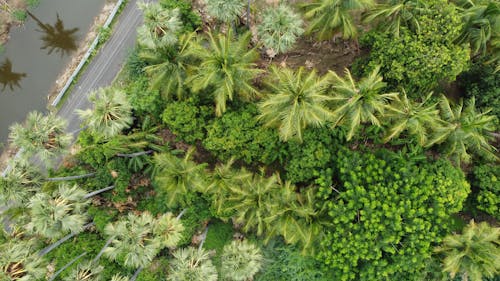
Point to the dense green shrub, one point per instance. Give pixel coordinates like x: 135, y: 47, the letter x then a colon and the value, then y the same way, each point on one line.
x: 143, y: 99
x: 306, y: 160
x: 286, y: 263
x: 218, y: 235
x: 191, y: 20
x: 419, y: 59
x: 486, y: 182
x: 238, y: 134
x: 186, y: 120
x: 482, y: 83
x: 386, y: 214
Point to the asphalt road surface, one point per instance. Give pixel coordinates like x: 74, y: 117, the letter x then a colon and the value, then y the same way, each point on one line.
x: 104, y: 67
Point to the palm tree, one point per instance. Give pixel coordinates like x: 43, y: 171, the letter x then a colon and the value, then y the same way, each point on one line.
x: 41, y: 135
x: 118, y: 277
x: 18, y: 262
x: 296, y: 100
x: 240, y: 261
x: 359, y: 102
x: 63, y: 212
x: 111, y: 114
x: 191, y: 264
x: 136, y: 240
x: 329, y: 17
x: 85, y: 271
x: 482, y: 23
x: 19, y: 184
x: 161, y: 26
x: 227, y: 67
x: 167, y: 68
x: 417, y: 118
x: 279, y: 29
x: 394, y: 14
x: 465, y: 130
x: 225, y: 10
x: 177, y: 177
x: 474, y: 254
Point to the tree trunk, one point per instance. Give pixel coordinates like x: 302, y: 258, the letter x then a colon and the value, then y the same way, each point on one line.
x: 96, y: 259
x: 70, y: 177
x: 179, y: 216
x: 49, y: 248
x: 93, y: 193
x: 66, y: 266
x: 136, y: 274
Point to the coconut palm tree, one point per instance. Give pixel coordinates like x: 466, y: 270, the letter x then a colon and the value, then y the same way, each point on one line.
x: 227, y: 67
x: 482, y: 23
x: 167, y: 67
x: 416, y: 118
x: 137, y: 239
x: 240, y: 261
x: 55, y: 215
x: 474, y: 254
x: 43, y: 136
x: 296, y: 100
x: 111, y: 113
x: 359, y: 102
x: 161, y: 26
x: 177, y: 177
x: 391, y: 15
x: 279, y: 28
x: 191, y: 264
x: 226, y: 11
x: 329, y: 17
x: 19, y: 262
x: 465, y: 130
x: 85, y: 271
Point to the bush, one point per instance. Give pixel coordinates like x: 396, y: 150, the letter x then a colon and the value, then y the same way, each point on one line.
x: 238, y: 134
x: 419, y: 60
x: 144, y: 101
x: 308, y: 159
x: 218, y: 235
x: 386, y: 214
x: 19, y: 15
x: 186, y: 120
x: 486, y: 184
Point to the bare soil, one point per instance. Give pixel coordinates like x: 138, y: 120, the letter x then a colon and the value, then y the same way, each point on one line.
x: 7, y: 20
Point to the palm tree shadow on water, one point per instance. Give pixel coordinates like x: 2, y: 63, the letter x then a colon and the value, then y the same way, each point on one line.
x: 56, y: 37
x: 8, y: 78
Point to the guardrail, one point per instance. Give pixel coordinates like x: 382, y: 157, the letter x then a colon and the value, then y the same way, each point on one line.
x: 61, y: 93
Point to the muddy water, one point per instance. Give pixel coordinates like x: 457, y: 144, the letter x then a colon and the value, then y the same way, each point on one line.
x: 37, y: 53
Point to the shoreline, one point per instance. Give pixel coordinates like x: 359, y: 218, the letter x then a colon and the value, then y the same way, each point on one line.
x: 8, y: 152
x: 7, y: 19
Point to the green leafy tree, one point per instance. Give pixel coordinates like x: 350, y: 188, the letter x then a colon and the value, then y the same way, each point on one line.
x: 19, y: 261
x: 137, y: 239
x: 41, y: 135
x: 418, y: 119
x: 474, y: 254
x: 482, y: 24
x: 227, y: 68
x: 466, y: 130
x: 279, y: 28
x: 486, y: 181
x: 161, y: 26
x: 359, y: 102
x: 55, y: 215
x: 386, y: 212
x: 225, y: 10
x: 329, y: 17
x: 190, y: 125
x: 295, y: 100
x: 178, y: 177
x: 111, y: 113
x: 240, y: 261
x: 191, y: 264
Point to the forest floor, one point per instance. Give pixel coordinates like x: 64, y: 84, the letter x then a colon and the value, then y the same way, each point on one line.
x: 7, y: 19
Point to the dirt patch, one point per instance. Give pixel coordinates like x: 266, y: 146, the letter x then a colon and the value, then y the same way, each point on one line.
x: 335, y: 55
x: 7, y: 19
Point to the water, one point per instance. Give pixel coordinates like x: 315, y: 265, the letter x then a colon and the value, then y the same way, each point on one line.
x: 37, y: 53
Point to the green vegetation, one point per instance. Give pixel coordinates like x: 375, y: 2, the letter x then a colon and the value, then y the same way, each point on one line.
x: 208, y: 161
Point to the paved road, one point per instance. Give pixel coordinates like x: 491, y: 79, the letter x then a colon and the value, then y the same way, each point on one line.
x: 105, y: 65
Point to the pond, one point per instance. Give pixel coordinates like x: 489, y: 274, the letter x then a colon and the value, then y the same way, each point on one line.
x: 37, y: 53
